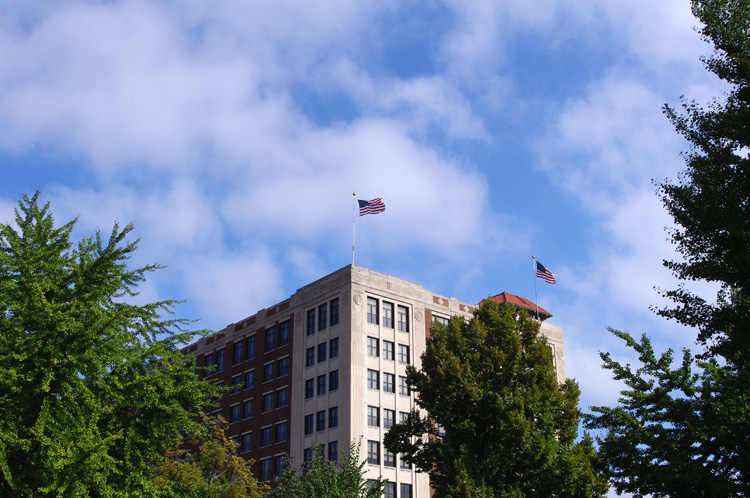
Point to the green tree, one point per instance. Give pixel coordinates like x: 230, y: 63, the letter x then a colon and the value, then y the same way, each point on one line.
x: 321, y: 478
x: 499, y: 423
x: 213, y: 469
x: 685, y: 430
x: 90, y: 386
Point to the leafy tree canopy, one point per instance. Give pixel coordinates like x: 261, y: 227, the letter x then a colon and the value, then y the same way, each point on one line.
x: 499, y: 424
x: 90, y: 386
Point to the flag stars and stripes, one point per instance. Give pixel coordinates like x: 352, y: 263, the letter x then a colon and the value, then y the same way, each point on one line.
x: 374, y: 206
x: 544, y: 273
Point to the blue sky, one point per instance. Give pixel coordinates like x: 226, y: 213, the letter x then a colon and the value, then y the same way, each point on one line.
x: 234, y: 133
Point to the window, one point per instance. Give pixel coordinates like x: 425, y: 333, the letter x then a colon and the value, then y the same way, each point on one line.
x: 403, y: 319
x: 390, y: 489
x: 268, y: 372
x: 280, y: 462
x: 440, y: 319
x: 373, y: 452
x: 404, y: 464
x: 267, y: 402
x: 372, y: 310
x: 372, y: 346
x: 322, y: 316
x: 321, y: 421
x: 308, y: 454
x: 249, y: 379
x: 308, y: 424
x: 334, y: 311
x: 322, y: 348
x: 265, y: 469
x: 373, y: 382
x: 234, y: 413
x: 265, y: 436
x: 208, y: 362
x: 387, y: 315
x: 237, y: 356
x: 270, y: 339
x: 220, y: 360
x: 282, y: 367
x: 403, y: 353
x: 237, y: 384
x: 389, y: 381
x: 250, y: 348
x: 403, y: 386
x: 389, y: 459
x: 333, y: 349
x: 309, y: 388
x: 405, y: 491
x: 388, y: 350
x: 333, y: 380
x: 333, y: 417
x: 310, y: 322
x: 282, y: 397
x: 310, y: 356
x: 403, y: 417
x: 373, y: 416
x: 284, y: 333
x: 247, y: 409
x: 281, y: 430
x: 389, y: 418
x: 333, y: 451
x: 321, y: 384
x: 247, y: 442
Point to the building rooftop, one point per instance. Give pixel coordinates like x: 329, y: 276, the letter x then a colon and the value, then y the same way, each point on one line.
x: 507, y: 297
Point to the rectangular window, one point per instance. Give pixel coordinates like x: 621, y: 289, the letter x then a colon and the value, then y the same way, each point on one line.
x: 308, y: 454
x: 440, y: 319
x: 310, y: 356
x: 237, y: 384
x: 265, y: 436
x: 321, y: 421
x: 389, y: 418
x: 389, y: 459
x: 279, y: 463
x: 373, y: 452
x: 308, y: 424
x: 403, y: 353
x: 333, y: 417
x: 267, y: 402
x: 247, y: 409
x: 309, y: 388
x: 390, y: 489
x: 403, y: 386
x: 333, y: 451
x: 403, y: 319
x: 311, y: 321
x: 333, y: 380
x: 265, y: 469
x: 372, y: 346
x: 372, y: 310
x: 234, y: 413
x: 208, y: 362
x: 387, y: 315
x: 237, y: 356
x: 403, y: 417
x: 404, y: 464
x: 247, y: 442
x: 405, y: 491
x: 388, y: 350
x: 268, y: 369
x: 282, y: 397
x: 220, y: 360
x: 282, y: 367
x: 249, y: 379
x: 373, y: 381
x: 322, y: 316
x: 281, y: 432
x: 270, y: 339
x: 333, y: 349
x: 373, y: 416
x: 250, y: 348
x: 322, y: 349
x: 321, y: 384
x: 334, y: 311
x: 284, y: 333
x: 389, y: 383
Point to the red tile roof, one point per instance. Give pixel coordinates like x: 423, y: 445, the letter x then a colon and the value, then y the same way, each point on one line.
x: 507, y: 297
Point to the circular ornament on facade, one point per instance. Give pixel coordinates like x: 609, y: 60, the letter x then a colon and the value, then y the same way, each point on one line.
x: 559, y: 353
x: 357, y: 298
x: 418, y: 316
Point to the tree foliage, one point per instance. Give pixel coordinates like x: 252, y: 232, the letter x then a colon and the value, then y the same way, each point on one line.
x: 685, y: 430
x: 499, y: 424
x: 90, y: 386
x: 321, y: 478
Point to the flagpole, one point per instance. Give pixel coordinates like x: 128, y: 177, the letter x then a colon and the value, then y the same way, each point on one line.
x: 354, y: 219
x: 536, y: 296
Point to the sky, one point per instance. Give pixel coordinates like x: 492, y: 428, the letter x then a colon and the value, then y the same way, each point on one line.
x: 234, y: 133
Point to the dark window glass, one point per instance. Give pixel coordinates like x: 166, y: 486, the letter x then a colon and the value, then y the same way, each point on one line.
x: 247, y: 409
x: 403, y: 319
x: 390, y: 489
x: 389, y: 418
x: 333, y: 380
x: 310, y: 322
x: 268, y: 372
x: 389, y: 383
x: 405, y: 491
x: 322, y: 316
x: 333, y: 417
x: 208, y: 362
x: 388, y: 315
x: 250, y: 348
x: 308, y: 424
x: 237, y: 356
x: 280, y: 463
x: 373, y: 452
x: 373, y: 381
x: 281, y: 432
x: 310, y: 356
x: 265, y: 469
x: 333, y: 350
x: 373, y: 416
x: 234, y: 413
x: 284, y: 333
x: 267, y: 402
x: 270, y: 339
x: 283, y: 367
x: 388, y: 350
x: 309, y: 388
x: 247, y: 442
x: 282, y: 397
x: 249, y: 379
x: 321, y: 425
x: 372, y: 346
x: 389, y: 459
x: 321, y: 384
x: 334, y: 311
x: 265, y: 436
x: 403, y: 353
x: 333, y: 451
x: 237, y: 384
x: 308, y: 455
x: 220, y: 360
x: 372, y: 310
x: 322, y: 348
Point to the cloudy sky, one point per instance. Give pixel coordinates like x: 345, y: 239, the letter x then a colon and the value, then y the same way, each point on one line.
x: 234, y: 133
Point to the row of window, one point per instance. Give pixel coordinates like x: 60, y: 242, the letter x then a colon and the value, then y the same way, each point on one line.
x: 317, y: 422
x: 267, y: 472
x: 332, y: 347
x: 272, y: 340
x: 323, y: 316
x: 333, y: 452
x: 389, y: 458
x: 244, y: 410
x: 310, y: 384
x: 273, y: 434
x: 389, y: 417
x: 373, y: 349
x: 386, y: 318
x: 373, y: 382
x: 390, y: 490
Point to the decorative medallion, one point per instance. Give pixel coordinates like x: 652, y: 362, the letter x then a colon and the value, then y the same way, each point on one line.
x: 418, y: 316
x: 357, y: 298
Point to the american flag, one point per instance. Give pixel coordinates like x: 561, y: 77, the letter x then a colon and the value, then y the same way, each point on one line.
x: 544, y: 273
x: 374, y: 206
